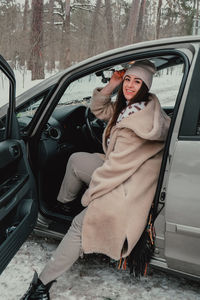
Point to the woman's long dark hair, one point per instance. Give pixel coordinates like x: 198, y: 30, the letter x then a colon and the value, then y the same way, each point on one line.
x: 120, y: 104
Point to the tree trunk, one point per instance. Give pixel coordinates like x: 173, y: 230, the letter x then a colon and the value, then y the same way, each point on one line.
x: 140, y: 34
x: 91, y: 45
x: 132, y: 23
x: 109, y: 24
x: 65, y: 48
x: 158, y: 19
x: 37, y: 62
x: 24, y: 52
x: 197, y: 19
x: 51, y: 35
x: 25, y: 16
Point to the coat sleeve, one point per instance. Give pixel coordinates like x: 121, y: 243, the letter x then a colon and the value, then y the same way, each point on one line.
x: 129, y: 153
x: 101, y: 105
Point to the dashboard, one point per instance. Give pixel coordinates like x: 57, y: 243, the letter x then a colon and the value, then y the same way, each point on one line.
x: 63, y: 134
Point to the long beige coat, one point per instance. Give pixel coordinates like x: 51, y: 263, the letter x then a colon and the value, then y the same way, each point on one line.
x: 121, y: 191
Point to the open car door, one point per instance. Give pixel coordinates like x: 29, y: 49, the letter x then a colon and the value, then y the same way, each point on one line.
x: 18, y: 198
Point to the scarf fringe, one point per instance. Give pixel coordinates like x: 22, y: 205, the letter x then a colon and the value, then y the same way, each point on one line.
x: 139, y: 258
x: 122, y: 263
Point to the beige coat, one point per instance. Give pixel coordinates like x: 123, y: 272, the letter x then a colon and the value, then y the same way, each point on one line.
x: 121, y: 191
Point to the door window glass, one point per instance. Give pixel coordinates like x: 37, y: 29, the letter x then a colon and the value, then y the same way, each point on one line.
x: 82, y: 89
x: 4, y: 88
x: 4, y: 100
x: 166, y: 84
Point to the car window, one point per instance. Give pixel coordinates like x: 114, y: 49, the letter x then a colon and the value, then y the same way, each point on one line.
x: 81, y: 90
x: 4, y: 99
x: 166, y: 84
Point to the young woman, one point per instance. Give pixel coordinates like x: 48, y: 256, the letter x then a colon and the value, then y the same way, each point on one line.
x: 121, y: 183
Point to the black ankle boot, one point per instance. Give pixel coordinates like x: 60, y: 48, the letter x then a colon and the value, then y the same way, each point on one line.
x: 37, y: 290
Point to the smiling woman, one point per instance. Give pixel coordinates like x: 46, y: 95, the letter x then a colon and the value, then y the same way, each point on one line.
x: 133, y: 145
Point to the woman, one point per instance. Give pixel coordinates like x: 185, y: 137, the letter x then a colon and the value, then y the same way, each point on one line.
x: 123, y: 182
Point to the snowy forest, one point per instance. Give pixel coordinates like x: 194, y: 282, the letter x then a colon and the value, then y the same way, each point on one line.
x: 53, y: 34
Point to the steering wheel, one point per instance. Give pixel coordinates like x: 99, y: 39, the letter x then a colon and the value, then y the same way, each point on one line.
x: 94, y: 126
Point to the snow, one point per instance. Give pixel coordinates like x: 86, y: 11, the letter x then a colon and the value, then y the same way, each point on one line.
x: 90, y: 278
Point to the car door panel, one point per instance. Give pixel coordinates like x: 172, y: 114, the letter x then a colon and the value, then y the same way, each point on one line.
x: 18, y: 205
x: 182, y: 209
x: 18, y: 196
x: 182, y: 236
x: 11, y: 177
x: 15, y: 233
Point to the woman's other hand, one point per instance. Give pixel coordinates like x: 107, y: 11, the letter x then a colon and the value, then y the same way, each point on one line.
x: 115, y: 80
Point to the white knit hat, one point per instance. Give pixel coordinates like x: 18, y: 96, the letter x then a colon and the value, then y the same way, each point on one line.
x: 144, y: 69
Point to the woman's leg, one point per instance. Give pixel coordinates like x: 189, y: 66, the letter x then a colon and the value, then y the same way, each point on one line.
x: 67, y: 252
x: 79, y: 170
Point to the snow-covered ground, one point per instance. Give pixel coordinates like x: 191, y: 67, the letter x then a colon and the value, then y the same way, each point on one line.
x: 91, y: 278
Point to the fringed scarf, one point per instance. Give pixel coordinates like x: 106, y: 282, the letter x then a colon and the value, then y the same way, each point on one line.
x: 139, y: 258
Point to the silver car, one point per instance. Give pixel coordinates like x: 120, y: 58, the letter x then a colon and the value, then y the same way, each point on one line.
x: 42, y: 127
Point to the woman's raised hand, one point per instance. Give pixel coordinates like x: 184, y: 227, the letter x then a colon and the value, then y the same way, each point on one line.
x: 115, y: 80
x: 117, y: 77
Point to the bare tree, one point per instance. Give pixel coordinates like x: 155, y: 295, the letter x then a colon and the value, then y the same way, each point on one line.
x: 51, y: 37
x: 152, y: 7
x: 109, y: 24
x: 132, y: 23
x: 158, y: 19
x: 197, y: 17
x: 91, y: 45
x: 25, y: 35
x: 37, y: 63
x: 25, y: 18
x: 140, y: 34
x: 65, y: 60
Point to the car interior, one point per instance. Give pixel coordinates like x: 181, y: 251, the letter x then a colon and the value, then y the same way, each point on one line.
x: 72, y: 128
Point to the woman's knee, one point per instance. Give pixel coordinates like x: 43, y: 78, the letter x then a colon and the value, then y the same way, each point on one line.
x: 82, y: 165
x: 78, y: 221
x: 73, y: 163
x: 75, y: 158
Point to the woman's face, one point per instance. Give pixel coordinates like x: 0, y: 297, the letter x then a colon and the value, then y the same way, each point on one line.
x: 131, y: 86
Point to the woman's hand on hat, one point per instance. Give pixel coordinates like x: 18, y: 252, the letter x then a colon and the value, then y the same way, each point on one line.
x: 115, y: 80
x: 117, y: 77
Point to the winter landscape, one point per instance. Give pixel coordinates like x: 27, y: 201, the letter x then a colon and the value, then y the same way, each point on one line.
x: 41, y: 37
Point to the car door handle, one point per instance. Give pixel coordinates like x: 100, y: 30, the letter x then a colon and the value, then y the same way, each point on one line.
x: 14, y: 150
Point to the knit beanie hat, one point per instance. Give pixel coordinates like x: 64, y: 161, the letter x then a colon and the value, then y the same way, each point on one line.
x: 144, y: 69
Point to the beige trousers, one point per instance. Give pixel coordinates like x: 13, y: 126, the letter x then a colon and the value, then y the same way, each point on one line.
x: 79, y: 170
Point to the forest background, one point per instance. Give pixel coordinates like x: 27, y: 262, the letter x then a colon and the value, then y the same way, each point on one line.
x: 51, y: 35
